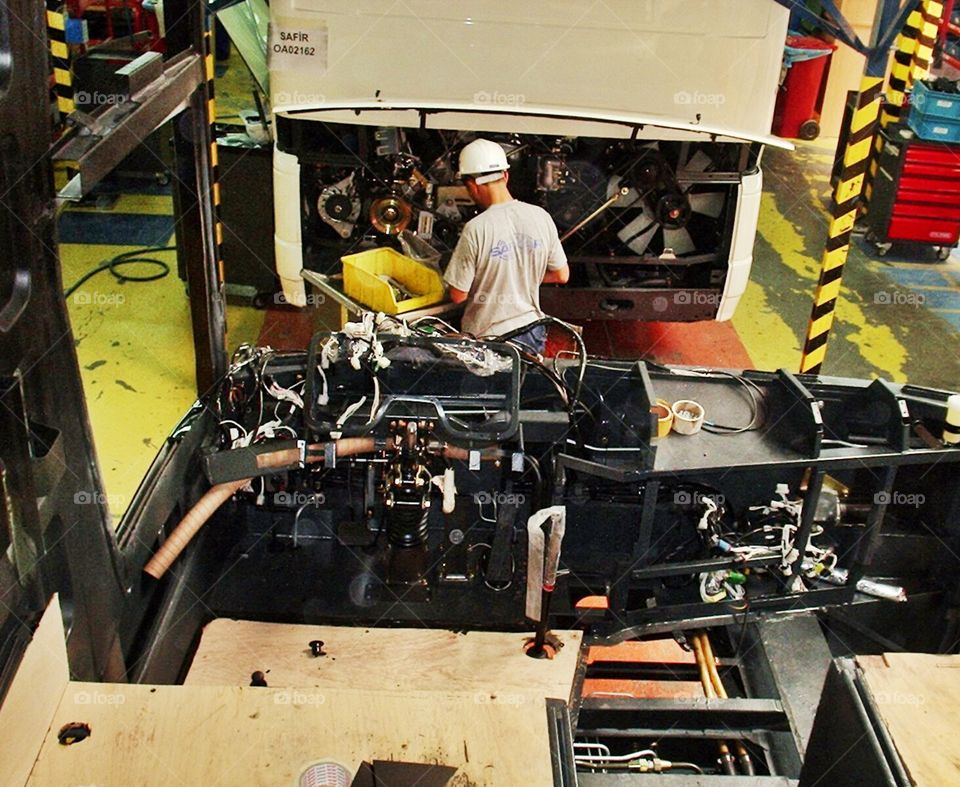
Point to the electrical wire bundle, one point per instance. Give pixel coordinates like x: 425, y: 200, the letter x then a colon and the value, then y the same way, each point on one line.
x: 239, y: 391
x: 772, y: 534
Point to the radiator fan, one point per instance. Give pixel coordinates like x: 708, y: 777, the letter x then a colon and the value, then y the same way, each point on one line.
x: 657, y: 214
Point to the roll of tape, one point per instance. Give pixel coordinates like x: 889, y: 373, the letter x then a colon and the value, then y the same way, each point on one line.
x: 951, y: 428
x: 661, y: 408
x: 687, y: 416
x: 325, y: 774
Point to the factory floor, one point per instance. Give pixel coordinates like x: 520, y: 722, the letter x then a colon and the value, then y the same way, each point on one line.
x: 897, y: 318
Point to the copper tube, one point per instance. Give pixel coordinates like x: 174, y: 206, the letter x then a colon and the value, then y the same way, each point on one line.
x: 217, y: 495
x: 711, y: 662
x: 346, y: 446
x: 456, y: 452
x: 698, y: 654
x: 700, y: 645
x: 742, y: 754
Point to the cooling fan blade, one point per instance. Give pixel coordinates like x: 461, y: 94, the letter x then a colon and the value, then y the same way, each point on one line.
x: 638, y: 233
x: 709, y: 203
x: 698, y: 162
x: 695, y: 232
x: 679, y: 240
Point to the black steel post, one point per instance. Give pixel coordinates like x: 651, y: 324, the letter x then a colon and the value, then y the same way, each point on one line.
x: 53, y: 506
x: 194, y: 197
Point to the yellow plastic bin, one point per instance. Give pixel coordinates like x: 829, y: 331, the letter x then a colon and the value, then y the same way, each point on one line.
x: 365, y: 279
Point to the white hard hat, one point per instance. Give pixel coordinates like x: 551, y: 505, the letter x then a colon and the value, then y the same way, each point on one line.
x: 483, y: 160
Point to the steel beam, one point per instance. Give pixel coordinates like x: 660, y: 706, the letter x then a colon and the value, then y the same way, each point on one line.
x: 103, y: 139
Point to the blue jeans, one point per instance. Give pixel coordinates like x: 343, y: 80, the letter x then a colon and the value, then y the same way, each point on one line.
x: 535, y: 339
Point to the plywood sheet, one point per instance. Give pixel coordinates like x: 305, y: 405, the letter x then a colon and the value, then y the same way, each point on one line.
x: 33, y: 697
x: 377, y: 659
x: 918, y: 696
x: 163, y: 735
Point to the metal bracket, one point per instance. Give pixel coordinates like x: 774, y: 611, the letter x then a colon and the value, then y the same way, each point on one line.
x: 104, y: 138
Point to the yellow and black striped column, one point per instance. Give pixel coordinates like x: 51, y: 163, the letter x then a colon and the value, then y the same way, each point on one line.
x: 856, y: 157
x: 899, y: 82
x: 898, y: 85
x: 214, y: 157
x: 57, y: 36
x: 931, y: 12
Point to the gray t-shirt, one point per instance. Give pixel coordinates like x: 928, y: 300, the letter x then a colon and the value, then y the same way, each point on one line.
x: 500, y: 261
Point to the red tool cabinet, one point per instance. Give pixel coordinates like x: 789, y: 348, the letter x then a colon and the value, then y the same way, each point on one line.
x: 916, y: 193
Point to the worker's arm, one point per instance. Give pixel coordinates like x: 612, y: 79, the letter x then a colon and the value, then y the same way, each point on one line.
x: 557, y: 276
x: 457, y: 296
x: 558, y: 272
x: 462, y: 267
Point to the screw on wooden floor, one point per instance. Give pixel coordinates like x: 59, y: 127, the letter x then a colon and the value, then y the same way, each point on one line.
x: 258, y: 679
x: 316, y: 647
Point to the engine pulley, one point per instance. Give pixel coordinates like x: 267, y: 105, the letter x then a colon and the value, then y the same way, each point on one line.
x: 390, y: 215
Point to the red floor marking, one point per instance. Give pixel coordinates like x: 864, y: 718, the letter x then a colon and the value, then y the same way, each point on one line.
x: 661, y: 651
x: 642, y: 689
x: 287, y: 328
x: 713, y: 344
x: 707, y: 343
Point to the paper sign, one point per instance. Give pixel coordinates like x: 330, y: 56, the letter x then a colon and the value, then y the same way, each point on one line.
x: 299, y: 48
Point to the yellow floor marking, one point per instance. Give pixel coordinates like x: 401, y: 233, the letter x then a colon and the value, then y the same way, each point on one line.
x: 770, y: 342
x: 875, y: 343
x: 136, y: 359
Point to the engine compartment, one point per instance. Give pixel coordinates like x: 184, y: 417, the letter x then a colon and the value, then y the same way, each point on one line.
x: 633, y: 214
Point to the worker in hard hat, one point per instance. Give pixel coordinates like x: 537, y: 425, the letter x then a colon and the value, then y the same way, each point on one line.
x: 504, y: 254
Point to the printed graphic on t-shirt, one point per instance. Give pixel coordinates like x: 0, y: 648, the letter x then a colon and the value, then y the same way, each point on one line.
x: 501, y: 251
x: 528, y: 242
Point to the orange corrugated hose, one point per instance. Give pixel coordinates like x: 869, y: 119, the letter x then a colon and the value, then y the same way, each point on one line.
x: 217, y: 495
